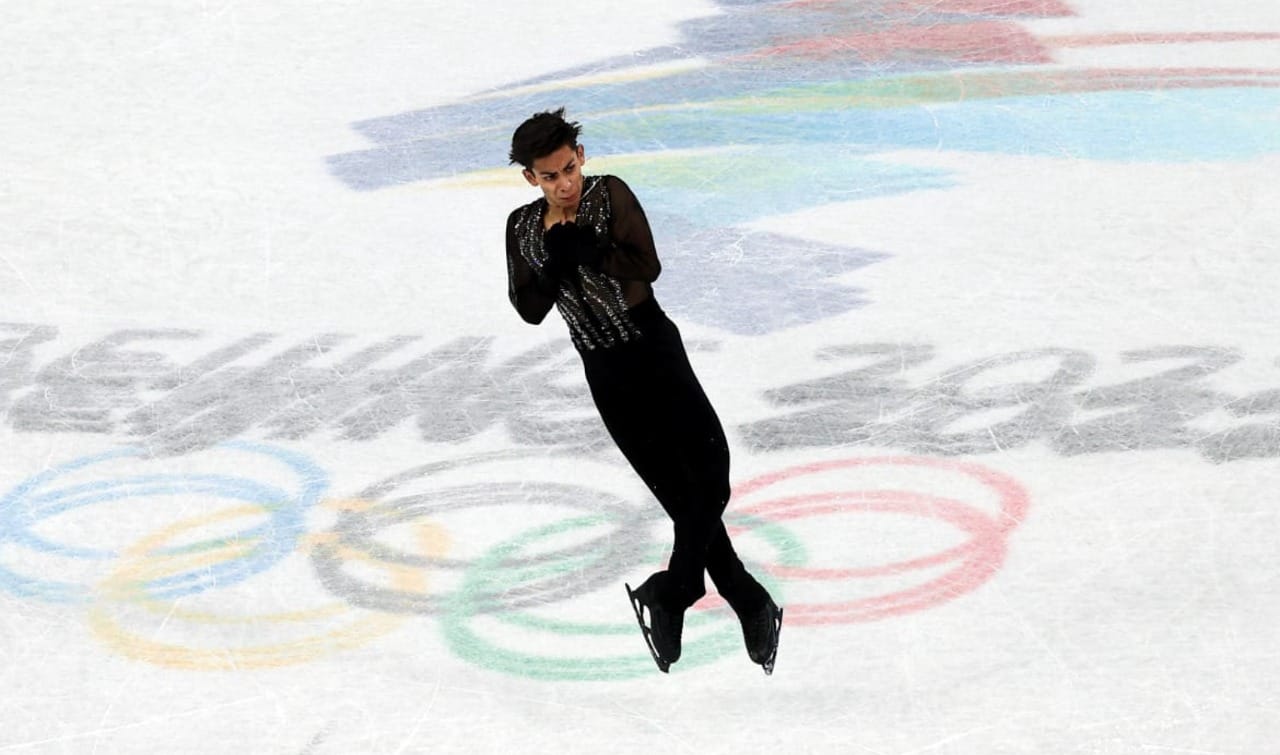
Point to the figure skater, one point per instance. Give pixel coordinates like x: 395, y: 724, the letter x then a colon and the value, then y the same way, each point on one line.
x: 585, y: 248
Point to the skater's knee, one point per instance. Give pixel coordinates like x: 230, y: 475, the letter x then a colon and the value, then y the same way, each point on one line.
x: 692, y: 594
x: 719, y: 497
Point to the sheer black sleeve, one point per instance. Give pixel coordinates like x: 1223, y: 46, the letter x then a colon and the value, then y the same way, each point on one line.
x: 529, y: 295
x: 631, y: 255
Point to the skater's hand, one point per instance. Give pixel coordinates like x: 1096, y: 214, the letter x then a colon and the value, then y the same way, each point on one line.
x: 558, y: 241
x: 561, y: 260
x: 576, y: 242
x: 586, y: 246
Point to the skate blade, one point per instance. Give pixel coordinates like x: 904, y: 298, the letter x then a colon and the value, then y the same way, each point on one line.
x: 777, y: 635
x: 638, y: 607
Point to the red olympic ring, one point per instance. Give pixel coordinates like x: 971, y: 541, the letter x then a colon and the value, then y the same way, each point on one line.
x: 978, y: 559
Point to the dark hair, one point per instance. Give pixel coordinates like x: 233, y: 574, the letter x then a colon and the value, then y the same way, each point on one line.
x: 541, y: 135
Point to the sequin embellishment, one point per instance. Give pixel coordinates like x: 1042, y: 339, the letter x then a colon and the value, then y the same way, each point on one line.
x: 593, y: 306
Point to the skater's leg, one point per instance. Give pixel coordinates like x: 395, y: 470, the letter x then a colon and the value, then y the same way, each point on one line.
x: 760, y: 617
x: 695, y: 514
x: 660, y: 419
x: 657, y: 413
x: 732, y: 580
x: 704, y: 453
x: 634, y: 412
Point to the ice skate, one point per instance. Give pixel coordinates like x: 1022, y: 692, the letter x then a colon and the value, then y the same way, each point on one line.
x: 760, y: 632
x: 662, y: 632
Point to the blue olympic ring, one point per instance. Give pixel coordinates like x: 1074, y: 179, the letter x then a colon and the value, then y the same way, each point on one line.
x: 27, y: 504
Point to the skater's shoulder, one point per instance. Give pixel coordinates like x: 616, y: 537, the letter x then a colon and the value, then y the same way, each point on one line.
x: 525, y: 211
x: 611, y: 181
x: 616, y: 185
x: 600, y: 180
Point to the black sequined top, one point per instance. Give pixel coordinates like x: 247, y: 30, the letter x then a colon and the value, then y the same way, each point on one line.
x: 593, y: 302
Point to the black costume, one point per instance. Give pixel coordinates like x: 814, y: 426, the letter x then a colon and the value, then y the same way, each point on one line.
x: 640, y: 378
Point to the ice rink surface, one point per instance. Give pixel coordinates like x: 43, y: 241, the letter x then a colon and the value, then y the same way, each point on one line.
x: 985, y: 294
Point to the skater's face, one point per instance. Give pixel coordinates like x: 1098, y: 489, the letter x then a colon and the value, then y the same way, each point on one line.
x: 559, y: 175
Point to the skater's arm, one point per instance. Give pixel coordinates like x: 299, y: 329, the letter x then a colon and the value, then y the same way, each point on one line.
x: 532, y: 296
x: 630, y: 255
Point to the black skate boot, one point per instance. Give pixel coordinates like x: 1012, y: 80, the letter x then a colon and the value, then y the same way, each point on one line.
x: 760, y: 632
x: 662, y: 633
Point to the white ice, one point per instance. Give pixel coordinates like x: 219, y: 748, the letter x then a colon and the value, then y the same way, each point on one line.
x: 984, y: 293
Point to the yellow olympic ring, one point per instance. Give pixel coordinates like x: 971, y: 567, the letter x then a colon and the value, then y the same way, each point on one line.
x: 140, y: 565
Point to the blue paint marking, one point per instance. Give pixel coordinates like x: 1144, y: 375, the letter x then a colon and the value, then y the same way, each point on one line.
x: 777, y: 281
x: 29, y: 503
x: 235, y: 489
x: 793, y: 144
x: 785, y: 162
x: 195, y: 481
x: 729, y: 40
x: 748, y: 183
x: 1167, y: 125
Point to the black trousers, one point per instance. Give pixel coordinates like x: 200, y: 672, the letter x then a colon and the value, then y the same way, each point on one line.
x: 657, y: 413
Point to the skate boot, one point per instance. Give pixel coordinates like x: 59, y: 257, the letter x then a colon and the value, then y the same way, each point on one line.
x: 662, y: 632
x: 760, y: 632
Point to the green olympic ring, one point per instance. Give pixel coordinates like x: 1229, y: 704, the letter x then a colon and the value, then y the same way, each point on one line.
x: 487, y: 573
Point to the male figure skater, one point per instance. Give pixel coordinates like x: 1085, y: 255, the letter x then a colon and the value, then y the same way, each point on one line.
x: 585, y: 248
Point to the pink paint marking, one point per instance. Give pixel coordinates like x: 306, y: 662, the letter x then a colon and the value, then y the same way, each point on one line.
x: 978, y: 559
x: 978, y: 524
x: 976, y: 85
x: 1114, y: 79
x: 1014, y: 500
x: 999, y: 8
x: 1032, y: 8
x: 978, y: 42
x: 973, y: 573
x: 1157, y: 38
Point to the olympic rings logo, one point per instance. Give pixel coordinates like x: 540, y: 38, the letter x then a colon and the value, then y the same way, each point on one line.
x: 184, y: 585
